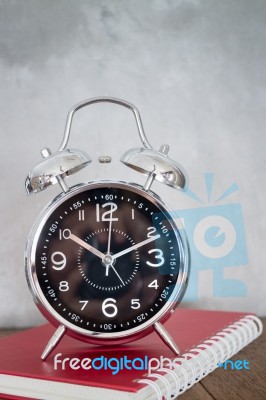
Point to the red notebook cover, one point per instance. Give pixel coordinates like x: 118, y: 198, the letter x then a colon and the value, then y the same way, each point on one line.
x: 20, y: 356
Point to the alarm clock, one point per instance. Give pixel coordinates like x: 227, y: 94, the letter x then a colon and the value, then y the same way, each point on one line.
x: 105, y: 261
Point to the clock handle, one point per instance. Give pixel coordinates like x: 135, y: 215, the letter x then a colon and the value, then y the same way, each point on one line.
x: 94, y: 100
x: 55, y: 167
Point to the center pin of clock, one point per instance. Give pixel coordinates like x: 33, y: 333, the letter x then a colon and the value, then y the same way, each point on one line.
x: 108, y: 260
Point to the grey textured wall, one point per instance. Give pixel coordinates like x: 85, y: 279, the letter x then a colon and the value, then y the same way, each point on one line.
x: 194, y: 68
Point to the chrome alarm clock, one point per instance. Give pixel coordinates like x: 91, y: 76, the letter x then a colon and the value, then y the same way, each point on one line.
x: 105, y: 261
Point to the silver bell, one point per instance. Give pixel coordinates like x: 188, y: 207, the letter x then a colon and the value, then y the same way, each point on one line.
x: 54, y: 168
x: 157, y: 165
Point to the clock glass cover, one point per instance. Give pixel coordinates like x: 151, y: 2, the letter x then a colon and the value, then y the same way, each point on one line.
x: 106, y: 260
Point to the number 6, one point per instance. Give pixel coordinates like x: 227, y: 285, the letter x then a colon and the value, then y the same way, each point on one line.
x: 108, y: 303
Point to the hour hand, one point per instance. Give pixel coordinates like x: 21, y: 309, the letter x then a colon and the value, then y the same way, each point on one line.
x: 86, y: 246
x: 136, y: 246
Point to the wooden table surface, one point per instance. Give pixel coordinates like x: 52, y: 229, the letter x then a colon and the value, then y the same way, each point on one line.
x: 230, y: 384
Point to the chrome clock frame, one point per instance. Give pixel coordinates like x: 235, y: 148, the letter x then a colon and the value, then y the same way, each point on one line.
x: 99, y: 337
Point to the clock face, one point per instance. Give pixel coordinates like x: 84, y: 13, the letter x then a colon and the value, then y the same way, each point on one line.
x: 107, y: 258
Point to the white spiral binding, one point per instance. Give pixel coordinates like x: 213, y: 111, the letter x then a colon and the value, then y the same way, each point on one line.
x: 176, y: 391
x: 164, y: 382
x: 202, y: 370
x: 203, y: 358
x: 154, y: 386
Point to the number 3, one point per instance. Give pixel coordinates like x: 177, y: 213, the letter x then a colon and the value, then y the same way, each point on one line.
x: 158, y: 256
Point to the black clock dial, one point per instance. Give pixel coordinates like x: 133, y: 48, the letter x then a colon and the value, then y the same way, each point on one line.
x: 107, y: 258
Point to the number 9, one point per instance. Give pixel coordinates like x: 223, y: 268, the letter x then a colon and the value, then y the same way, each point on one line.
x: 60, y: 263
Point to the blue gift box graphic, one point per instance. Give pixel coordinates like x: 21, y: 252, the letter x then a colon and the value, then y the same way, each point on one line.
x: 216, y: 237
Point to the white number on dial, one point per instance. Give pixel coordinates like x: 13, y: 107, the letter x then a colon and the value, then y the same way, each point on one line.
x: 158, y: 256
x: 107, y: 215
x: 151, y: 231
x: 59, y: 260
x: 84, y: 303
x: 81, y: 215
x: 135, y: 304
x: 154, y: 284
x: 64, y: 233
x: 109, y: 308
x: 63, y: 286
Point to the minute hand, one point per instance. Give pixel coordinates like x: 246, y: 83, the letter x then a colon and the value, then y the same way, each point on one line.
x: 136, y: 246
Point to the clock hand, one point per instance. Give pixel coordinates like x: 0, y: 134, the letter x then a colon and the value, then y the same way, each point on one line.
x: 109, y: 244
x: 109, y: 236
x: 117, y: 274
x: 96, y: 252
x: 136, y: 246
x: 86, y: 246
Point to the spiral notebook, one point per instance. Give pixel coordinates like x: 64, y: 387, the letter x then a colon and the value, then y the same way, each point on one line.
x: 206, y: 338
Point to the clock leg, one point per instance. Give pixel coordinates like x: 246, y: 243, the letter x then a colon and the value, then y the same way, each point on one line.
x: 166, y: 337
x: 53, y: 342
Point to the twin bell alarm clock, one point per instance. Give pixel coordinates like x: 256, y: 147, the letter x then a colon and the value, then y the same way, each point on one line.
x: 105, y: 260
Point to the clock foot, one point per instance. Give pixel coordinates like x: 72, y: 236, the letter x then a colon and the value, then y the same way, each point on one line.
x: 166, y: 337
x: 53, y: 342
